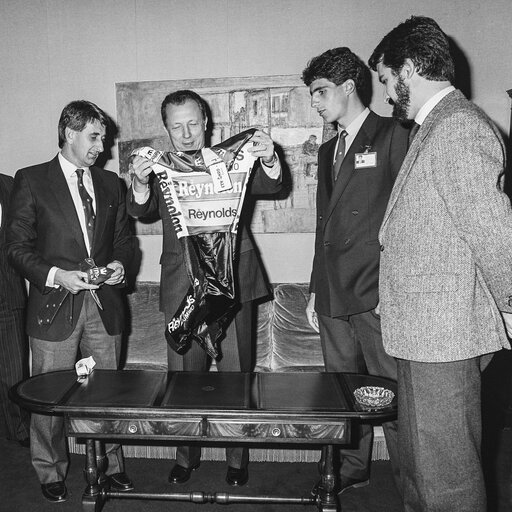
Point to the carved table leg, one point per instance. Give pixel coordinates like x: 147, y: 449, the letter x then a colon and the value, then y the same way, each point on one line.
x: 327, y: 497
x: 93, y: 497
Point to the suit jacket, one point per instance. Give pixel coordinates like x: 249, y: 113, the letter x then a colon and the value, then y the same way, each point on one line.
x: 251, y: 282
x: 12, y: 289
x: 446, y: 265
x: 44, y: 231
x: 349, y: 214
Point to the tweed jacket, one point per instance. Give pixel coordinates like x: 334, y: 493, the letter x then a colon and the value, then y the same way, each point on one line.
x: 446, y: 259
x: 345, y: 270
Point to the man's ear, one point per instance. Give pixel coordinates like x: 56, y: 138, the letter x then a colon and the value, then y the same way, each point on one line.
x: 349, y: 86
x: 69, y: 134
x: 408, y: 69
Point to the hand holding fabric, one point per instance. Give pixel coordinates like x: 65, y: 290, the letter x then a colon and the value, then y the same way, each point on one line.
x: 311, y: 313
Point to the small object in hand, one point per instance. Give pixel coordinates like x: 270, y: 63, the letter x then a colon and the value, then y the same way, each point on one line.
x: 374, y: 396
x: 84, y: 367
x: 98, y: 275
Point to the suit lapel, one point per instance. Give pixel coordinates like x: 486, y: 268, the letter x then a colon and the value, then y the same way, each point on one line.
x: 362, y: 140
x: 64, y: 201
x: 102, y: 203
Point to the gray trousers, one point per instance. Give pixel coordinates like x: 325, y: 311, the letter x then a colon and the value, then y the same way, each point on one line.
x: 47, y: 439
x: 439, y: 418
x: 355, y: 345
x: 237, y: 350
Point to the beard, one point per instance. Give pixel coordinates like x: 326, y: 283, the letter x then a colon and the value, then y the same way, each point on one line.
x: 403, y: 100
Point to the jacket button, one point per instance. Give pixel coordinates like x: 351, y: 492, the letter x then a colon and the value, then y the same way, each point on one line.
x: 510, y: 300
x: 355, y: 212
x: 327, y: 243
x: 347, y: 241
x: 381, y: 248
x: 320, y: 217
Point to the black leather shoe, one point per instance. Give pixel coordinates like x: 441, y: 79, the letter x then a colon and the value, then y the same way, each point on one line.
x: 180, y: 474
x: 344, y: 484
x: 120, y: 482
x: 55, y: 492
x: 237, y: 476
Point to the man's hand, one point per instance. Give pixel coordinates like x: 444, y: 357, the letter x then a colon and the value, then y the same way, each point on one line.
x: 140, y: 168
x: 311, y: 313
x: 118, y: 276
x: 73, y: 281
x: 263, y: 147
x: 507, y: 320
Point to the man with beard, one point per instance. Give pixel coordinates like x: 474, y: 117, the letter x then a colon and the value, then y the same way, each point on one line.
x: 184, y: 115
x: 62, y: 212
x: 356, y: 172
x: 446, y: 269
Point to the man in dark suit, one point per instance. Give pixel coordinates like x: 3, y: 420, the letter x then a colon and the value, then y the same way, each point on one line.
x: 356, y: 171
x: 185, y: 119
x: 446, y: 269
x: 13, y: 343
x: 62, y: 212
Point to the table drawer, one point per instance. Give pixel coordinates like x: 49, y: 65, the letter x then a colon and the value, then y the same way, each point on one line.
x: 190, y: 427
x: 276, y: 430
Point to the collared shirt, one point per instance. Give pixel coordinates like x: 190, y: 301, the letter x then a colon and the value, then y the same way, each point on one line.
x: 427, y: 107
x: 69, y: 171
x: 352, y: 130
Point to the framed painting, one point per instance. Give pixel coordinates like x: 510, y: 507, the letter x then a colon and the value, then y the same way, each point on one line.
x: 279, y: 105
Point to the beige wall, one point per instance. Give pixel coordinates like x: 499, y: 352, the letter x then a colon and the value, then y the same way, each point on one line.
x: 54, y: 51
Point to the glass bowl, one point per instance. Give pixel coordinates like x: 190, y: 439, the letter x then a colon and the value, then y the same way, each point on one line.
x: 374, y: 396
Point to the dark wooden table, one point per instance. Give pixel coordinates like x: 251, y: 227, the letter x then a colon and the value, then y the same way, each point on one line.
x: 284, y: 408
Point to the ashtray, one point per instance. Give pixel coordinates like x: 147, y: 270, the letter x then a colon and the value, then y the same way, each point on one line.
x: 374, y: 396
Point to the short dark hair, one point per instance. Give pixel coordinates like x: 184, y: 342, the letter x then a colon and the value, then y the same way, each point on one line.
x: 339, y: 65
x: 76, y: 115
x: 420, y: 39
x: 180, y: 97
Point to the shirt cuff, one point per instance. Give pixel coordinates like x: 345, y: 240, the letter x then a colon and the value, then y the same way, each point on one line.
x: 273, y: 171
x: 140, y: 197
x: 50, y: 278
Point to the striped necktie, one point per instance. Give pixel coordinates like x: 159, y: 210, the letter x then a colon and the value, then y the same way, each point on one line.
x: 90, y: 217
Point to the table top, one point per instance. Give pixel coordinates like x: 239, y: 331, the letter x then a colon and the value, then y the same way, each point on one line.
x: 147, y: 393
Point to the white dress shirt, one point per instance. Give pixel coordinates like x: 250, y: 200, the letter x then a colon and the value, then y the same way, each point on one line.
x: 69, y: 171
x: 352, y: 130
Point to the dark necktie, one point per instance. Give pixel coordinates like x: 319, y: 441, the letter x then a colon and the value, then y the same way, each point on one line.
x: 340, y: 154
x: 87, y: 204
x: 413, y: 132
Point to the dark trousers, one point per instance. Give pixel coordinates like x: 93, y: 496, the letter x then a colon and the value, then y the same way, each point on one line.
x: 15, y: 422
x: 439, y: 418
x: 47, y: 439
x: 355, y: 345
x: 236, y: 350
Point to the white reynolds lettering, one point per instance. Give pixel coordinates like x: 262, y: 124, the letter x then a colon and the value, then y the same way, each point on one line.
x: 176, y: 323
x: 199, y: 190
x: 171, y: 204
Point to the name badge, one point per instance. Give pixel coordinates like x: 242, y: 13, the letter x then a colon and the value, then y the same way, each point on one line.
x: 365, y: 160
x: 218, y: 171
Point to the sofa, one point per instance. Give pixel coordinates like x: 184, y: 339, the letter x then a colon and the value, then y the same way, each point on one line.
x: 284, y: 342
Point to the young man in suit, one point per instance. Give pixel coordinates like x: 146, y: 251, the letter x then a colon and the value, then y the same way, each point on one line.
x: 13, y: 343
x: 356, y: 172
x: 446, y: 269
x: 62, y: 212
x: 185, y: 119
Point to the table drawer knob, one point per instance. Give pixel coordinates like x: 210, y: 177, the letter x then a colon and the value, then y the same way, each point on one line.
x: 276, y: 432
x: 132, y: 428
